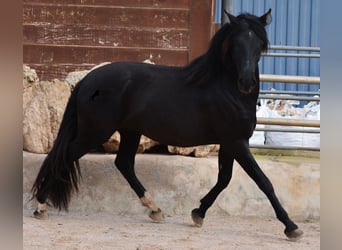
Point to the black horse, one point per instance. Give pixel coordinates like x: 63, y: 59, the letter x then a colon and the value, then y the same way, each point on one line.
x: 210, y: 101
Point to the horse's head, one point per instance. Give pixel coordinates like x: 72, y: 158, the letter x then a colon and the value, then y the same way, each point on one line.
x: 247, y: 40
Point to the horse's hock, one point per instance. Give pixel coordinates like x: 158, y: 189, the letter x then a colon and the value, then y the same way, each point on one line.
x: 177, y: 183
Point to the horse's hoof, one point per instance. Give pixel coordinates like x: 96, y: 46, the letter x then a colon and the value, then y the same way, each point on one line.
x: 41, y: 215
x: 157, y: 215
x: 294, y: 235
x: 196, y: 217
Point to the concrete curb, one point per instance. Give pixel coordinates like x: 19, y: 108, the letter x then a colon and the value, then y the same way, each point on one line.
x: 177, y: 183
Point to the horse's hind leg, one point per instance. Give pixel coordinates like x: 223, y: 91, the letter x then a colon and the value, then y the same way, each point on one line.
x: 49, y: 185
x: 54, y: 186
x: 124, y: 161
x: 225, y: 162
x: 248, y: 163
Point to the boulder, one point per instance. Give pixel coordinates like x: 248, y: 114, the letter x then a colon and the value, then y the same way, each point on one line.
x: 43, y: 108
x: 112, y: 145
x: 30, y: 81
x: 74, y: 77
x: 199, y: 151
x: 29, y: 77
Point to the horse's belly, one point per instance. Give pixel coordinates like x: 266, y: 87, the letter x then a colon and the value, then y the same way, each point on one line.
x: 178, y: 134
x: 182, y: 140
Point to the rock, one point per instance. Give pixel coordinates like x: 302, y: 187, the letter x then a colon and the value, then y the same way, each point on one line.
x: 145, y: 144
x: 112, y: 145
x: 30, y: 77
x: 30, y: 80
x: 44, y: 103
x: 199, y: 151
x: 181, y: 150
x: 74, y: 77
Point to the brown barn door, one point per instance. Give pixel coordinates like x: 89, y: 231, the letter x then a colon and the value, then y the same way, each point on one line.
x: 64, y: 36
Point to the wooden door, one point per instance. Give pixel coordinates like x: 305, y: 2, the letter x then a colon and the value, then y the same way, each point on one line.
x: 61, y: 36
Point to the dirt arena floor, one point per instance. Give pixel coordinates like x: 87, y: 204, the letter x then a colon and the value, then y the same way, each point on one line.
x: 138, y: 232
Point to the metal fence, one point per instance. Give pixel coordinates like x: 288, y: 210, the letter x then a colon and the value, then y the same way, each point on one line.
x: 291, y: 125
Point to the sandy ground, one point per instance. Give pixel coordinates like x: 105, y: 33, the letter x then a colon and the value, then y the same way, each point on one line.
x: 138, y: 232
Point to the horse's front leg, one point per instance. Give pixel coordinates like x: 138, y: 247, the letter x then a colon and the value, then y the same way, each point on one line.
x: 225, y: 162
x: 245, y: 158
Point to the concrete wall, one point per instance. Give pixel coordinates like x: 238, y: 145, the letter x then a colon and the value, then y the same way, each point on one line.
x: 177, y: 183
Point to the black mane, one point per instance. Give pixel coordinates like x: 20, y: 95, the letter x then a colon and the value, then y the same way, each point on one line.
x: 216, y: 59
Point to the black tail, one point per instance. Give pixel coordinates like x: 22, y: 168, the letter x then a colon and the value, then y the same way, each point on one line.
x: 59, y: 175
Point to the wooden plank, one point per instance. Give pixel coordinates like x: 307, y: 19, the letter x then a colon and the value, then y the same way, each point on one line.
x: 130, y: 3
x: 108, y: 16
x: 201, y: 19
x: 47, y: 72
x: 55, y: 55
x: 105, y: 36
x: 89, y: 54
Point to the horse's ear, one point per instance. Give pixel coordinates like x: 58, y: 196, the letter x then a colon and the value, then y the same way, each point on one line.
x: 230, y: 17
x: 266, y: 18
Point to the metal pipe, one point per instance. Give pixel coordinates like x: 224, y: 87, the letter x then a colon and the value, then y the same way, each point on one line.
x: 284, y: 147
x: 291, y: 55
x: 283, y: 97
x: 290, y: 130
x: 289, y: 122
x: 281, y: 47
x: 290, y: 79
x: 285, y: 92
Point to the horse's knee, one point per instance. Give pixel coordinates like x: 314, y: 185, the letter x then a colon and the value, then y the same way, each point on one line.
x: 265, y: 185
x: 124, y: 165
x: 118, y: 162
x: 224, y: 180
